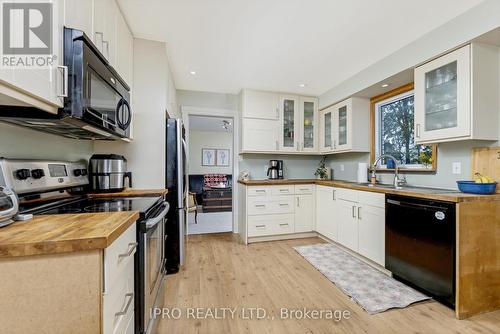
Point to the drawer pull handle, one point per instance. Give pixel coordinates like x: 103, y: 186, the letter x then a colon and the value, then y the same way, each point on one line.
x: 130, y: 297
x: 284, y: 224
x: 260, y: 205
x: 260, y: 226
x: 304, y: 189
x: 260, y: 191
x: 132, y: 246
x: 283, y: 204
x: 284, y: 190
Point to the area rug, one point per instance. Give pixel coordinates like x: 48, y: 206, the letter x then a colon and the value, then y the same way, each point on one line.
x: 373, y: 290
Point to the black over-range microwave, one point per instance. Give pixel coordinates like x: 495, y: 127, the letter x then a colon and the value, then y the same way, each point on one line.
x: 97, y: 105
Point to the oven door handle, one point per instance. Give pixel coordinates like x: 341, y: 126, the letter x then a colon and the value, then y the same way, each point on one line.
x: 152, y: 222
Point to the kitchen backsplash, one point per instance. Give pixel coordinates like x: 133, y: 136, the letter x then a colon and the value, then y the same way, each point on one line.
x: 295, y: 167
x: 21, y: 143
x: 345, y: 166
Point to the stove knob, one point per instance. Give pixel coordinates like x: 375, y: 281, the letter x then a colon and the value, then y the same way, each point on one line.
x: 84, y: 172
x: 37, y: 173
x: 77, y: 172
x: 23, y: 174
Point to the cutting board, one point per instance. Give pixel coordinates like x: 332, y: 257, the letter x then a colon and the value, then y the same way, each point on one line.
x: 486, y: 160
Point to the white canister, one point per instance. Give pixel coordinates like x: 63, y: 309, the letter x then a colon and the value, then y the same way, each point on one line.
x: 362, y: 172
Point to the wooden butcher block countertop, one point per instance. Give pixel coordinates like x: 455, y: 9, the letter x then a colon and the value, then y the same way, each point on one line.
x: 419, y: 192
x: 130, y: 192
x: 62, y: 233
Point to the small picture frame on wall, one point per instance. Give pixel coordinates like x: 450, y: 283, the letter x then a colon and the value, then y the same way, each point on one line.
x: 223, y: 158
x: 208, y: 157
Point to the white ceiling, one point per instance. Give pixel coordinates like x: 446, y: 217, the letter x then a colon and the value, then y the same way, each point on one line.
x: 279, y: 44
x: 212, y: 124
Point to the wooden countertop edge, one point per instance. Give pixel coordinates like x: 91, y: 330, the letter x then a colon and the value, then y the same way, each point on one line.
x: 66, y: 246
x: 131, y: 192
x: 442, y: 196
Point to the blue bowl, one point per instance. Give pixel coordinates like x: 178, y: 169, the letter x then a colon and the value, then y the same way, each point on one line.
x: 472, y: 187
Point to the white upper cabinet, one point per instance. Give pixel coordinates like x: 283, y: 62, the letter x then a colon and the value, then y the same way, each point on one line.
x: 78, y: 14
x: 308, y: 124
x: 289, y: 123
x: 41, y: 87
x: 125, y: 51
x: 259, y: 104
x: 106, y: 14
x: 345, y: 127
x: 325, y: 130
x: 457, y: 96
x: 279, y: 123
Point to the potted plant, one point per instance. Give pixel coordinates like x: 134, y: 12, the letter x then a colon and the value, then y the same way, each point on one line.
x: 322, y: 172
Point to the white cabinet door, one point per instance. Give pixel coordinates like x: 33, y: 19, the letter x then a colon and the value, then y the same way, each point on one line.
x: 259, y: 135
x: 308, y: 123
x: 371, y: 220
x: 125, y: 51
x: 289, y: 123
x: 443, y: 97
x: 342, y: 124
x: 326, y: 130
x: 348, y: 224
x: 78, y: 14
x: 259, y: 104
x: 106, y: 14
x: 304, y: 213
x: 326, y: 212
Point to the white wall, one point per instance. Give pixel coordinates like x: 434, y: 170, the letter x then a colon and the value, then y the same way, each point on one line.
x: 146, y: 153
x: 21, y: 143
x: 209, y: 139
x: 208, y: 100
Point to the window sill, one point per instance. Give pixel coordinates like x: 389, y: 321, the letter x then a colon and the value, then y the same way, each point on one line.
x: 408, y: 170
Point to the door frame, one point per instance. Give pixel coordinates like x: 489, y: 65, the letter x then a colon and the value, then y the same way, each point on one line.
x: 187, y: 111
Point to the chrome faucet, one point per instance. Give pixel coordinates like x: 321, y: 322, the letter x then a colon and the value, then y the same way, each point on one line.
x: 397, y: 181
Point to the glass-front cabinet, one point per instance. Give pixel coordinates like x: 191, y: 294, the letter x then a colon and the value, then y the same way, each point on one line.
x: 342, y: 120
x: 289, y: 123
x: 326, y: 136
x: 442, y: 97
x: 308, y: 140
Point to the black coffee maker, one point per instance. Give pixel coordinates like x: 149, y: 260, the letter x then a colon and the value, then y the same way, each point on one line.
x: 275, y: 170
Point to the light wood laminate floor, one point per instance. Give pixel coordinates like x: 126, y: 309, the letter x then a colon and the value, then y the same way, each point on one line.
x: 220, y: 272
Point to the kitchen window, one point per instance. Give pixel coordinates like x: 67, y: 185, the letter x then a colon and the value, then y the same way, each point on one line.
x: 393, y: 132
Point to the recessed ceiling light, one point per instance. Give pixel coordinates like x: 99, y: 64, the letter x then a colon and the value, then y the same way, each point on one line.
x: 385, y: 85
x: 302, y: 85
x: 192, y: 72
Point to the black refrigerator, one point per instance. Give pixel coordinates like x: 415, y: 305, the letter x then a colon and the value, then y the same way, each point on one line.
x: 177, y: 184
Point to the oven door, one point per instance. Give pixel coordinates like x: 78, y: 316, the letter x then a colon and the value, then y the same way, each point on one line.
x: 106, y: 105
x: 153, y: 264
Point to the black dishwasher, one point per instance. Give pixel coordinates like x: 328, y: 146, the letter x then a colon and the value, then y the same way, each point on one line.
x: 420, y: 245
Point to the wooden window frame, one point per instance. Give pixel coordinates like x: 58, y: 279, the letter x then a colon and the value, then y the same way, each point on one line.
x: 373, y: 101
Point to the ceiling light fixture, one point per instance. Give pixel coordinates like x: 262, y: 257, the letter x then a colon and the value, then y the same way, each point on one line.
x: 302, y: 85
x: 192, y: 72
x: 226, y: 125
x: 385, y: 85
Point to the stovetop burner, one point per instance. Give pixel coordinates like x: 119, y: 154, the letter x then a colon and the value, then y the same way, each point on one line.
x: 89, y: 205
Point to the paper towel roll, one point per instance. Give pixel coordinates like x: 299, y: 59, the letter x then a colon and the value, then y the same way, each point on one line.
x: 362, y: 172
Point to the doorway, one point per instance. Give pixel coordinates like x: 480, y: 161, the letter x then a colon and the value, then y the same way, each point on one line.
x: 210, y: 169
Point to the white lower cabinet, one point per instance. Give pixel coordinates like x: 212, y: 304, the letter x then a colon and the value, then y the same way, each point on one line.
x: 279, y: 210
x: 326, y: 208
x: 348, y: 224
x: 304, y: 213
x: 118, y: 296
x: 371, y: 227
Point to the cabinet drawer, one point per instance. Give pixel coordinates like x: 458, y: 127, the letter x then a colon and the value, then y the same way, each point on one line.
x: 119, y: 301
x: 282, y: 190
x: 272, y: 205
x: 373, y: 199
x: 304, y: 189
x: 270, y: 225
x: 259, y: 191
x: 347, y: 194
x: 118, y: 255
